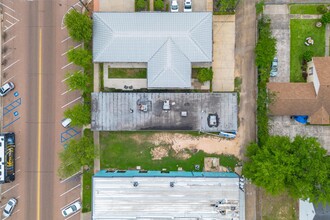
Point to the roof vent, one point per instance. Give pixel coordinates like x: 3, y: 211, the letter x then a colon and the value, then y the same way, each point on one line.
x: 135, y: 184
x: 171, y: 184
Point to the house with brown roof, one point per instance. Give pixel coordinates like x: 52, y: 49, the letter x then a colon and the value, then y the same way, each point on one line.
x: 311, y: 98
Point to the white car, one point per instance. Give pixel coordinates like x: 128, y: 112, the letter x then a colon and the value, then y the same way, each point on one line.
x: 8, y: 210
x: 6, y: 88
x: 73, y: 208
x: 66, y: 122
x: 187, y: 6
x: 174, y: 6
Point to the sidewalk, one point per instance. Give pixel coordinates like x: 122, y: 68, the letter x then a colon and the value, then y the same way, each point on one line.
x: 327, y: 39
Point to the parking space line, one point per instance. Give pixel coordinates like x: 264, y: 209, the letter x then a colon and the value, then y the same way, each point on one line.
x: 18, y: 171
x: 7, y: 7
x: 70, y: 190
x: 66, y: 92
x: 11, y: 16
x: 63, y: 67
x: 73, y: 215
x: 7, y: 55
x: 18, y: 157
x: 65, y: 39
x: 71, y: 49
x: 9, y: 79
x: 9, y: 40
x: 70, y: 203
x: 11, y: 65
x: 10, y: 123
x: 9, y: 22
x: 71, y: 102
x: 68, y: 134
x: 70, y: 177
x: 10, y: 189
x: 11, y: 106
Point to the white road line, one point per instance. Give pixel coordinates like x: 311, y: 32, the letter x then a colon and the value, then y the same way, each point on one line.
x: 65, y: 39
x: 7, y: 7
x: 8, y: 79
x: 73, y: 215
x: 70, y: 177
x: 70, y: 203
x: 9, y: 40
x: 63, y: 67
x: 17, y: 158
x: 10, y: 65
x: 71, y: 102
x: 66, y: 78
x: 11, y: 16
x: 70, y: 50
x: 18, y: 171
x: 70, y: 190
x: 66, y: 92
x: 9, y: 27
x: 9, y: 22
x: 7, y: 55
x: 10, y: 189
x: 6, y: 27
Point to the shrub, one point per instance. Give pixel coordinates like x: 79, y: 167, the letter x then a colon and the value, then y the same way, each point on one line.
x: 140, y: 5
x: 204, y: 74
x: 159, y: 5
x: 325, y: 18
x: 260, y: 7
x: 307, y: 56
x: 79, y: 26
x: 322, y: 9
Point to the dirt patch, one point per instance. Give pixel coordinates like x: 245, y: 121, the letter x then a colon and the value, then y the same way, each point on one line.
x: 159, y: 152
x: 209, y: 144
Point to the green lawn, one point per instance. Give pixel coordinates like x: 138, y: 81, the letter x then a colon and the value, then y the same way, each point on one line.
x: 125, y: 150
x: 127, y: 73
x: 87, y: 190
x: 300, y: 30
x: 304, y: 9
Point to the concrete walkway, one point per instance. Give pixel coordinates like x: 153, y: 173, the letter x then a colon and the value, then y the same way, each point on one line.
x: 303, y: 16
x: 327, y: 40
x: 223, y: 64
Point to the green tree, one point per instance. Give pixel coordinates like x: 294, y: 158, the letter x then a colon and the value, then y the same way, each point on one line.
x: 260, y: 7
x: 76, y: 154
x: 322, y: 9
x: 204, y: 74
x: 79, y: 26
x: 300, y: 167
x: 79, y: 81
x: 226, y: 5
x: 80, y: 115
x: 80, y: 57
x: 307, y: 56
x: 325, y: 18
x: 159, y: 5
x: 140, y: 5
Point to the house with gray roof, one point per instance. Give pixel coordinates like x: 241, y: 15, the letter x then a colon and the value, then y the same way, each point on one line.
x: 168, y: 43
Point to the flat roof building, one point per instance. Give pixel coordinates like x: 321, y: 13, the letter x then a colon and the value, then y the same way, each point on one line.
x: 208, y: 112
x: 176, y: 195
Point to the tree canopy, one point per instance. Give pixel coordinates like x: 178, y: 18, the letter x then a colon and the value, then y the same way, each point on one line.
x: 300, y: 167
x: 79, y: 26
x: 79, y: 80
x: 204, y: 74
x: 80, y: 115
x: 80, y: 57
x: 76, y: 154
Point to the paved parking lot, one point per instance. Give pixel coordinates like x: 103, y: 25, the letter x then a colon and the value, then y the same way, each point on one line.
x: 116, y: 5
x: 279, y: 14
x: 197, y: 5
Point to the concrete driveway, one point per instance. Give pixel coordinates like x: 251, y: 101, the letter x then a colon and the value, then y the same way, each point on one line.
x: 197, y: 5
x: 116, y: 5
x: 279, y: 15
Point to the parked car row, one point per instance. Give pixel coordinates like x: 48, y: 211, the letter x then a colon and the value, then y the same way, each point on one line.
x: 186, y: 8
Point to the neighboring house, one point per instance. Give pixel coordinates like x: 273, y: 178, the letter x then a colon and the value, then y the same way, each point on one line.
x: 168, y: 44
x: 310, y: 211
x: 179, y: 195
x: 311, y: 98
x: 206, y: 112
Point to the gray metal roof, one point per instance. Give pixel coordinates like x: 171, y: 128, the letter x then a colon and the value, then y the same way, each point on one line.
x: 121, y: 111
x: 160, y: 39
x: 154, y: 198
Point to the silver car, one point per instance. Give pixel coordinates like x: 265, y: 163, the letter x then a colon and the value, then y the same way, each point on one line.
x: 6, y: 88
x: 73, y: 208
x: 8, y: 210
x: 273, y: 71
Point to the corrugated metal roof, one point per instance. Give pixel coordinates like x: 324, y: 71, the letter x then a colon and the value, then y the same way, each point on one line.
x: 137, y: 37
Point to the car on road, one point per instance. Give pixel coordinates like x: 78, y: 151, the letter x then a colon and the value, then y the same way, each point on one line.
x: 66, y: 122
x: 187, y: 6
x: 6, y: 88
x: 9, y: 208
x: 73, y: 208
x: 273, y: 71
x: 174, y: 6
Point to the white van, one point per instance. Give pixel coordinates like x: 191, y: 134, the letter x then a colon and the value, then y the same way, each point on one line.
x: 66, y: 122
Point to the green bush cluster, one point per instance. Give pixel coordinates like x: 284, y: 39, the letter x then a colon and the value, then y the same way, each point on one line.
x: 260, y: 7
x: 159, y: 5
x: 205, y: 74
x: 226, y: 5
x: 307, y: 56
x: 140, y: 5
x: 322, y: 9
x: 79, y: 26
x: 325, y: 18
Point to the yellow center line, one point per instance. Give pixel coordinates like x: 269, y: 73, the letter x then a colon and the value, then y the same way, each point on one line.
x: 39, y: 123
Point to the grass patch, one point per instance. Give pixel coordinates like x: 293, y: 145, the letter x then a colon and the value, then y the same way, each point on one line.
x: 304, y: 9
x: 278, y: 207
x: 300, y: 30
x: 87, y: 190
x: 126, y: 150
x: 127, y: 73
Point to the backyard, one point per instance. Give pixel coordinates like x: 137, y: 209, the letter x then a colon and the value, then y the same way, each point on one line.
x: 155, y: 151
x: 304, y: 9
x: 127, y: 73
x: 300, y: 30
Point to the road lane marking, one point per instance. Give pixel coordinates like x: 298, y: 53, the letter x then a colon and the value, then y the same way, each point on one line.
x: 77, y: 199
x: 7, y: 55
x: 71, y: 49
x: 70, y: 190
x: 9, y: 40
x: 7, y: 7
x: 8, y: 79
x: 11, y: 16
x: 66, y: 92
x: 73, y: 215
x: 17, y: 158
x: 65, y: 39
x: 10, y: 189
x: 39, y: 123
x: 9, y: 22
x: 70, y: 177
x: 10, y: 65
x: 71, y: 102
x: 66, y: 65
